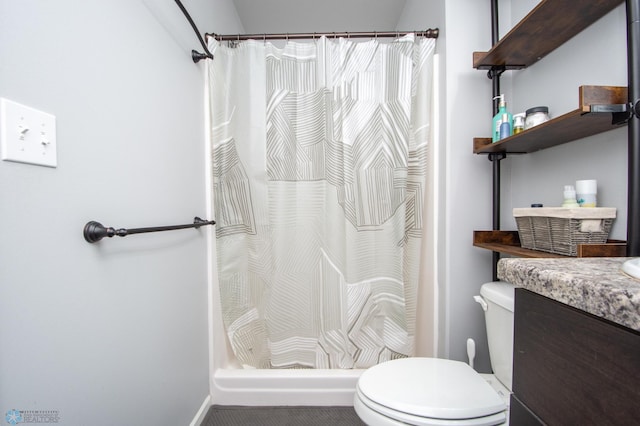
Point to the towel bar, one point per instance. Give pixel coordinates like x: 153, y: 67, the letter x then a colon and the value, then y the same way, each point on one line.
x: 95, y: 231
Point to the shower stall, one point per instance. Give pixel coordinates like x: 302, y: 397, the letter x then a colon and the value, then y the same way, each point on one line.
x: 265, y: 288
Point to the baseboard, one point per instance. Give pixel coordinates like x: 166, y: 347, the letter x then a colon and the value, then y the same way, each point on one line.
x: 202, y: 412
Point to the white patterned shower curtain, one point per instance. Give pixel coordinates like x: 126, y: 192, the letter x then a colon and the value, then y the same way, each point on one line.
x: 319, y: 173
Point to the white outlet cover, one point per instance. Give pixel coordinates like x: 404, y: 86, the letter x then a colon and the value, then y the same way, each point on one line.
x: 27, y: 135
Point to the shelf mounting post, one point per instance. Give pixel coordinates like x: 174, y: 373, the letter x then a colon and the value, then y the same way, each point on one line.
x: 494, y: 75
x: 633, y: 129
x: 495, y: 158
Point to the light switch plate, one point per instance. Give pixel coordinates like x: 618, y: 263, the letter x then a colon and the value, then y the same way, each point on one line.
x: 27, y: 135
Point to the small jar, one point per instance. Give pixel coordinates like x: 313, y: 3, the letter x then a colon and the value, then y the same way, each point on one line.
x: 518, y: 123
x: 535, y: 116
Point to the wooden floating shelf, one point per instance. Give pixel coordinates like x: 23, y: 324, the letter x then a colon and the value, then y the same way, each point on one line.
x: 549, y: 25
x: 574, y: 125
x: 508, y: 242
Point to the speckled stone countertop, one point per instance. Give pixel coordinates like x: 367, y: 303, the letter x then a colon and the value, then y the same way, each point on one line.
x: 595, y: 285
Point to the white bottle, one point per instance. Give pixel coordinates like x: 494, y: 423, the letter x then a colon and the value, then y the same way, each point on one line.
x: 587, y: 192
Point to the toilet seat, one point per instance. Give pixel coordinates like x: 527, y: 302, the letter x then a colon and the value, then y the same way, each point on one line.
x: 427, y: 391
x: 385, y: 417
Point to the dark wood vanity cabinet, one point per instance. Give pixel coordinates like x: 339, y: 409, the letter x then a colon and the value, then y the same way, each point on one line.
x: 571, y: 367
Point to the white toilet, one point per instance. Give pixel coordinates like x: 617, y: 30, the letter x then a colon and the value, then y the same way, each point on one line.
x: 440, y: 392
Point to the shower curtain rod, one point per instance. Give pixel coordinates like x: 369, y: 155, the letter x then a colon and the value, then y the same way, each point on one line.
x: 430, y: 33
x: 195, y: 55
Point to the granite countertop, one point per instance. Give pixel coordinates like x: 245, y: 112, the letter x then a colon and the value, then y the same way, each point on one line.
x: 595, y: 284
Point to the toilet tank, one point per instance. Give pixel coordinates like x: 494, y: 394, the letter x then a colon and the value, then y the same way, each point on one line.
x: 499, y: 298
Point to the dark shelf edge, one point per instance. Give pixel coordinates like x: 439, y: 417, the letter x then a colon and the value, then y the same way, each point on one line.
x: 574, y: 125
x: 553, y: 21
x: 508, y: 242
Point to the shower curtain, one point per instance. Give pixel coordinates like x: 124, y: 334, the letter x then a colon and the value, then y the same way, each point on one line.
x: 319, y: 171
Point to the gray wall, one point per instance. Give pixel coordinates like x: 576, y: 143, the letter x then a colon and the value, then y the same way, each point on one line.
x: 115, y: 332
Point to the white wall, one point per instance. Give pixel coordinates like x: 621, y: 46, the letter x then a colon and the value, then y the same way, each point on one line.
x: 115, y: 332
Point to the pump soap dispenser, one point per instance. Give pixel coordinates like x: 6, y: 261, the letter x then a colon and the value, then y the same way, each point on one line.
x: 498, y: 120
x: 570, y: 197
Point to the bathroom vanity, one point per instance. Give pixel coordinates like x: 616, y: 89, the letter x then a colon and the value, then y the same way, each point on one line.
x: 576, y: 342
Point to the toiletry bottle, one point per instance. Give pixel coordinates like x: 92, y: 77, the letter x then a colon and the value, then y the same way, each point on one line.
x: 570, y: 197
x: 505, y: 128
x: 586, y: 192
x: 497, y: 119
x: 518, y: 123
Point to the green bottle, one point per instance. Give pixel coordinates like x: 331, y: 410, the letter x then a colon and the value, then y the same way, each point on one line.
x: 497, y: 119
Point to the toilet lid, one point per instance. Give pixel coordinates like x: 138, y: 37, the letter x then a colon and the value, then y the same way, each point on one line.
x: 430, y: 387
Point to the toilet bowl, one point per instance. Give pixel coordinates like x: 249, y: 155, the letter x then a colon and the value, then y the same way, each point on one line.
x: 441, y: 392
